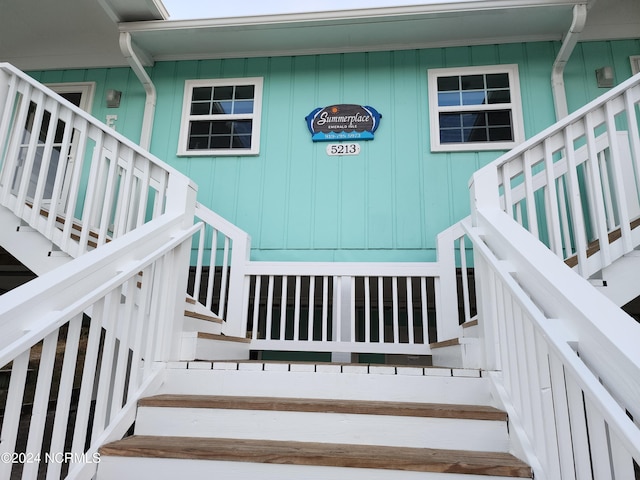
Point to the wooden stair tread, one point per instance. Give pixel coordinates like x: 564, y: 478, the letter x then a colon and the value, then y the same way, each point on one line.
x: 405, y: 409
x: 225, y: 338
x: 320, y: 454
x: 202, y: 316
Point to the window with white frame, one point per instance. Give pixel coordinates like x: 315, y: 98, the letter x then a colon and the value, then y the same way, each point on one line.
x: 475, y: 108
x: 221, y: 117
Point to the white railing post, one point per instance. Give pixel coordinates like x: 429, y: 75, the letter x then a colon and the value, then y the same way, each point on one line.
x: 235, y: 317
x: 181, y: 198
x: 447, y: 321
x: 483, y: 188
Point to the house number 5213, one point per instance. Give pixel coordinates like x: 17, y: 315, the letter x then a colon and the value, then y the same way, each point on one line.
x: 343, y: 149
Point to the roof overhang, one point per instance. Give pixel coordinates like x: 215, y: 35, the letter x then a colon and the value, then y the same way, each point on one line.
x: 434, y: 24
x: 85, y: 33
x: 42, y: 35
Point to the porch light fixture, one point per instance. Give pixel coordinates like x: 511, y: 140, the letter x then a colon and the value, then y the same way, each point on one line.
x: 604, y: 77
x: 113, y: 98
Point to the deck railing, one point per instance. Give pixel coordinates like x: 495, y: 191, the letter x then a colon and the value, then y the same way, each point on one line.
x: 576, y: 185
x: 565, y: 358
x: 94, y: 334
x: 69, y: 176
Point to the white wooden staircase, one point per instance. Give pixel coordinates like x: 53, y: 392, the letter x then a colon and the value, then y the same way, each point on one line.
x: 265, y: 420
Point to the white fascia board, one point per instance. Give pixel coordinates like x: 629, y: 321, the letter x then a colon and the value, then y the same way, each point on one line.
x: 442, y: 7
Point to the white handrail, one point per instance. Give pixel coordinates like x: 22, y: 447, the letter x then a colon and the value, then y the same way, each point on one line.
x: 551, y: 340
x: 576, y: 185
x: 122, y: 289
x: 566, y: 358
x: 72, y: 178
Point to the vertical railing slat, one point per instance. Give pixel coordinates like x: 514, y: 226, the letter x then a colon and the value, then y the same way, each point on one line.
x: 256, y: 308
x: 40, y: 404
x: 577, y: 216
x: 225, y: 278
x: 296, y: 311
x: 211, y: 280
x: 367, y: 310
x: 381, y: 338
x: 311, y: 317
x: 618, y: 178
x: 553, y: 214
x: 12, y: 409
x: 325, y: 308
x: 63, y: 403
x: 410, y: 326
x: 268, y: 335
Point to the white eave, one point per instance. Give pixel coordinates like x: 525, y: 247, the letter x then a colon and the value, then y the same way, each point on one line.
x: 434, y: 24
x: 36, y: 35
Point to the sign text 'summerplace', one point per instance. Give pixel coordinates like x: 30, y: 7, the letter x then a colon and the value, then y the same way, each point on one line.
x: 343, y: 122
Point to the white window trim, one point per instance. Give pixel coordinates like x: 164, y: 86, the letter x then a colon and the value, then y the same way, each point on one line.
x: 86, y: 89
x: 255, y: 116
x: 515, y: 106
x: 635, y: 64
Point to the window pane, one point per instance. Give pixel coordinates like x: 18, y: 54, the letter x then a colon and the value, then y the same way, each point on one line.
x: 201, y: 93
x: 244, y: 92
x: 199, y: 143
x: 448, y: 99
x: 244, y: 106
x: 498, y: 80
x: 499, y: 96
x: 473, y: 98
x: 242, y: 127
x: 221, y: 142
x: 474, y: 119
x: 223, y: 93
x: 221, y: 128
x: 446, y: 84
x: 199, y: 128
x: 200, y: 108
x: 501, y: 134
x: 241, y: 141
x: 475, y: 134
x: 221, y: 108
x: 499, y: 118
x: 451, y: 136
x: 450, y: 120
x: 472, y: 82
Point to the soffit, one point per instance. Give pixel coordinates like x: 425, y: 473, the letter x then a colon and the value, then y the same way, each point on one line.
x: 37, y: 34
x: 368, y: 30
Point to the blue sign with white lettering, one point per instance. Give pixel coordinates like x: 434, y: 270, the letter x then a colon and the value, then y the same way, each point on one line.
x: 343, y: 122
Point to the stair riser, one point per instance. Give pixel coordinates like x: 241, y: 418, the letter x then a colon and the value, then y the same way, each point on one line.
x: 194, y: 348
x: 444, y: 433
x: 346, y: 386
x: 124, y: 468
x: 198, y: 325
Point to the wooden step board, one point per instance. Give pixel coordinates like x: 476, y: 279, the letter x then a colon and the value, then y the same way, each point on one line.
x: 406, y: 409
x: 320, y: 454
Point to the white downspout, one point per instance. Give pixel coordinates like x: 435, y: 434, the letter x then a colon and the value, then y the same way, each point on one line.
x: 557, y: 73
x: 126, y: 47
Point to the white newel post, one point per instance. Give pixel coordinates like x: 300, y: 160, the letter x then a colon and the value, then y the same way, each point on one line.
x: 484, y: 191
x: 235, y: 321
x: 342, y: 313
x: 483, y: 188
x: 181, y: 197
x: 447, y: 322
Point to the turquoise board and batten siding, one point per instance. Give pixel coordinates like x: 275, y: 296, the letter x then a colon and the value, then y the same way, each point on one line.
x: 386, y: 204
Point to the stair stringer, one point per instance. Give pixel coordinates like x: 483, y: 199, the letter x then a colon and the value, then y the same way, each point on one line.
x: 618, y: 281
x: 28, y: 245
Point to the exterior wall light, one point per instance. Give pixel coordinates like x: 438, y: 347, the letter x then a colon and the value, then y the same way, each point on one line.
x: 604, y: 77
x: 113, y: 98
